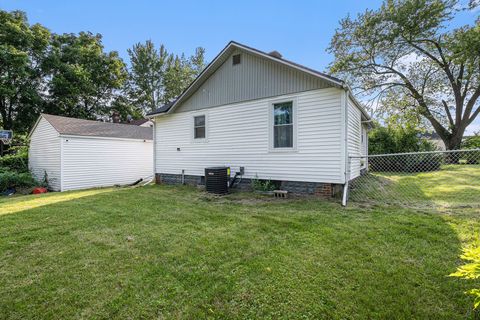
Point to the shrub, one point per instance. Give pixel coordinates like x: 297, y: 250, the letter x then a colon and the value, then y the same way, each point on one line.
x: 472, y: 142
x: 10, y: 179
x: 408, y: 163
x: 401, y: 138
x: 384, y: 140
x: 17, y: 162
x: 263, y: 185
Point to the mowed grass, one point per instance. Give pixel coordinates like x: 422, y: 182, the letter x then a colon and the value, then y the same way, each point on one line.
x: 176, y: 253
x: 451, y: 186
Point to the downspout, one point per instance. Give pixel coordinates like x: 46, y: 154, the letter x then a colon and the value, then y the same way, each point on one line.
x: 345, y: 143
x: 61, y: 163
x: 154, y: 120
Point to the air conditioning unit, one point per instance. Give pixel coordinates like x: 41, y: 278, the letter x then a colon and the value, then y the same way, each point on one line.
x: 216, y: 179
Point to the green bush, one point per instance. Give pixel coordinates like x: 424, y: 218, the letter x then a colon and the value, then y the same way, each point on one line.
x: 17, y: 162
x: 397, y: 139
x: 10, y: 179
x: 472, y: 142
x: 263, y: 185
x: 407, y: 163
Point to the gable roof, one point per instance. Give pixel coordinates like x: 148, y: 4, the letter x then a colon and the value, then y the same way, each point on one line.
x: 221, y: 58
x: 90, y: 128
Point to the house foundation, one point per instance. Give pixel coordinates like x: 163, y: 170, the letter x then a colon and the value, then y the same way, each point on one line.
x: 319, y: 189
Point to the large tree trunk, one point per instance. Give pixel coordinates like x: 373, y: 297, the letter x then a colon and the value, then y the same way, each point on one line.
x: 454, y: 142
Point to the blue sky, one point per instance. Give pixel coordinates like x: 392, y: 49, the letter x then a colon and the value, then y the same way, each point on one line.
x: 300, y: 30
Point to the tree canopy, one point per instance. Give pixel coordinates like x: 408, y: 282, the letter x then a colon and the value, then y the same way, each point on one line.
x: 22, y: 50
x: 73, y: 75
x: 157, y: 77
x: 402, y: 56
x: 83, y: 78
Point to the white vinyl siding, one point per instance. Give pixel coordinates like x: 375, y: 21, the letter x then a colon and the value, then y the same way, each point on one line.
x: 238, y: 135
x: 253, y: 79
x: 354, y: 139
x: 76, y: 162
x: 97, y: 162
x: 44, y: 154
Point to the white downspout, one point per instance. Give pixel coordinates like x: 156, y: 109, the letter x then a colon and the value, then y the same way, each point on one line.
x: 346, y: 161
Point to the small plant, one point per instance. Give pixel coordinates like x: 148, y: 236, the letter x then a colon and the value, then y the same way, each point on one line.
x: 470, y: 271
x: 263, y: 185
x: 45, y: 180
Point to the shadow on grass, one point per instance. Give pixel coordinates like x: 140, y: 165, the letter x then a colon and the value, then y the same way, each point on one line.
x: 166, y: 252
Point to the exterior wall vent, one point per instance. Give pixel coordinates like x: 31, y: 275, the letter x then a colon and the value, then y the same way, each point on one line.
x: 236, y: 59
x: 275, y: 54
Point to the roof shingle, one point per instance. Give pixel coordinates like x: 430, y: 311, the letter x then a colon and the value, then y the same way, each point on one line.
x: 90, y: 128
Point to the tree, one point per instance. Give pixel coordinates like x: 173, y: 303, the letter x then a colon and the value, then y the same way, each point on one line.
x: 84, y: 79
x: 22, y: 51
x: 181, y: 72
x: 148, y: 65
x: 402, y: 52
x: 125, y: 108
x: 156, y: 77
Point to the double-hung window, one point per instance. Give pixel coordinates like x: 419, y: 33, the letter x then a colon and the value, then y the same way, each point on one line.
x: 283, y: 125
x: 199, y: 126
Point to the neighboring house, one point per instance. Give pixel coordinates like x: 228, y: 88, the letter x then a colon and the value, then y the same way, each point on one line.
x: 435, y: 139
x: 79, y: 154
x: 279, y: 120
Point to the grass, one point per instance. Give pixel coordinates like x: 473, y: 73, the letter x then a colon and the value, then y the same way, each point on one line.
x: 453, y: 185
x: 176, y: 253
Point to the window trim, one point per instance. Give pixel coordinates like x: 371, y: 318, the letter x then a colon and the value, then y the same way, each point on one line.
x: 271, y: 127
x: 199, y: 140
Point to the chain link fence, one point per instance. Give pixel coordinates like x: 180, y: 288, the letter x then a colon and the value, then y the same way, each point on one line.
x: 422, y: 179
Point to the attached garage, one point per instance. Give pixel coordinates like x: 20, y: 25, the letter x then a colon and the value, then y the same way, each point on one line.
x: 78, y: 154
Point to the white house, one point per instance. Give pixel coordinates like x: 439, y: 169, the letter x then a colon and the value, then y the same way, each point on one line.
x: 79, y: 154
x: 277, y: 119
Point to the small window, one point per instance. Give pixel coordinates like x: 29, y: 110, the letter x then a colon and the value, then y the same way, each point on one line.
x: 199, y: 127
x: 236, y: 59
x: 283, y: 125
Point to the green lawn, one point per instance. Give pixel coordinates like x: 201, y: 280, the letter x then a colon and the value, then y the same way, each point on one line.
x: 451, y: 186
x: 174, y: 252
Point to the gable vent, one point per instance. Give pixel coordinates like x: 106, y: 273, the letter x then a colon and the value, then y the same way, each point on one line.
x: 236, y: 59
x: 275, y: 54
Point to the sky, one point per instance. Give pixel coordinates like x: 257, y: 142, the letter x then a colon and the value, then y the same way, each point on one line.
x: 299, y: 30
